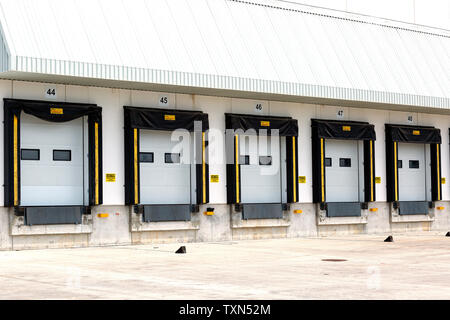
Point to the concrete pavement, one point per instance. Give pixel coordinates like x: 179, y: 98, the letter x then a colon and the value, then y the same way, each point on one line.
x: 415, y: 266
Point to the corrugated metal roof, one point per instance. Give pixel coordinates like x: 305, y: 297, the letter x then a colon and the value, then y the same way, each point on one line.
x: 260, y: 46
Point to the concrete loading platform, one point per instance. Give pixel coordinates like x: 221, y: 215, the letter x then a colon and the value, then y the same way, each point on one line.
x: 414, y: 266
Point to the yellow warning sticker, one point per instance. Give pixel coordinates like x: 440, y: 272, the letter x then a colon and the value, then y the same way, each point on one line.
x: 56, y: 110
x: 110, y: 177
x: 214, y: 178
x: 443, y: 180
x: 170, y: 117
x: 301, y: 179
x: 346, y: 128
x: 377, y: 179
x: 416, y: 132
x: 265, y: 123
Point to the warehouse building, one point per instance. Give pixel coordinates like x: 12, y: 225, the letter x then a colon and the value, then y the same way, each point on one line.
x: 215, y: 120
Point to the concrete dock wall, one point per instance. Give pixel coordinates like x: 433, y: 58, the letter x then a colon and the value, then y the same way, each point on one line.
x: 120, y: 225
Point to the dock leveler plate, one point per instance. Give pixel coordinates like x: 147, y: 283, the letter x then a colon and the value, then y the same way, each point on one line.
x: 343, y: 209
x: 413, y: 207
x: 154, y: 213
x: 53, y: 215
x: 262, y: 211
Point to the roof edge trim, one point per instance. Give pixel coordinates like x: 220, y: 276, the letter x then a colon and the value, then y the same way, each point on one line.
x: 209, y: 81
x: 349, y: 16
x: 5, y: 52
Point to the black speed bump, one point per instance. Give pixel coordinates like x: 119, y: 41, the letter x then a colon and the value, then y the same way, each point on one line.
x: 389, y: 239
x: 181, y: 249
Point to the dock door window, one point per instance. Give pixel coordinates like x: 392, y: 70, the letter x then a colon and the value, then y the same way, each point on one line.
x: 29, y: 154
x: 244, y: 160
x: 62, y: 155
x: 265, y: 160
x: 172, y: 157
x: 345, y: 162
x: 414, y: 164
x: 146, y: 157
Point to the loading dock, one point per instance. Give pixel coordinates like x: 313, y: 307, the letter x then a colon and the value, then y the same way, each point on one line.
x: 262, y: 165
x: 343, y: 158
x: 52, y: 160
x: 413, y: 168
x: 163, y: 181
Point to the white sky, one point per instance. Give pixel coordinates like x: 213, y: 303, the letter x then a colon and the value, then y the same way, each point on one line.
x: 435, y: 13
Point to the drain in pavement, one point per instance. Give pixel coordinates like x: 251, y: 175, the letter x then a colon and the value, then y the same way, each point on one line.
x: 334, y: 260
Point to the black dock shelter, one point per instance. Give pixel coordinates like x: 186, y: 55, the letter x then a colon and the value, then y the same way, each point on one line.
x: 427, y: 135
x: 324, y: 130
x: 244, y: 123
x: 137, y: 119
